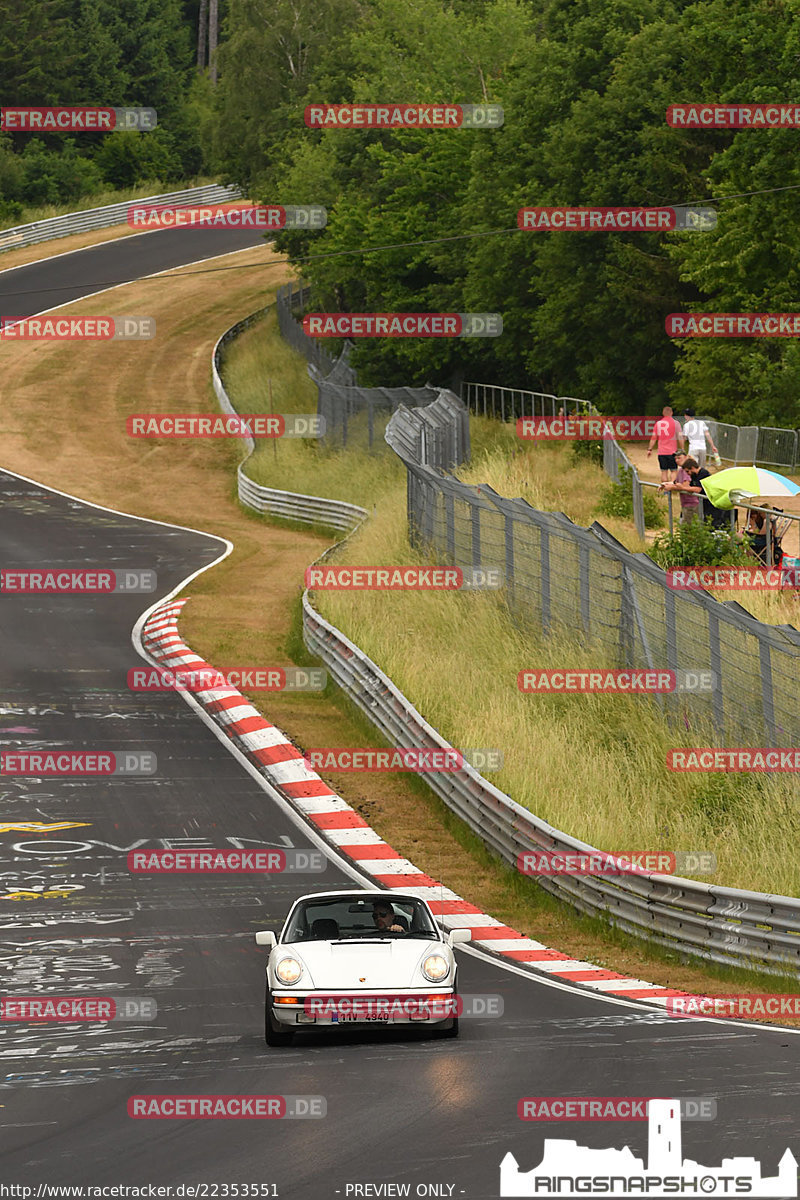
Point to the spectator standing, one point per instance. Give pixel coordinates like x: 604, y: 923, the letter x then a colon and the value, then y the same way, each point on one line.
x: 690, y: 501
x: 720, y: 517
x: 697, y: 434
x: 666, y: 432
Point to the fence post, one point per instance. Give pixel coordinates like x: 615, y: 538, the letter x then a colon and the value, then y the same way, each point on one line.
x: 476, y: 532
x: 544, y: 549
x: 767, y: 696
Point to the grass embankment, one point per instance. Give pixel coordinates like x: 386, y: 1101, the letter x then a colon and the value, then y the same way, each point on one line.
x: 593, y: 766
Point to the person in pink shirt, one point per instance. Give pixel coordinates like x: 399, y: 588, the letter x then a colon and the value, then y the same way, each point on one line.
x: 666, y: 432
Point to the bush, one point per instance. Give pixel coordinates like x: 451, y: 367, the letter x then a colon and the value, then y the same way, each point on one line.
x: 698, y: 545
x: 617, y: 501
x: 584, y: 451
x: 56, y: 177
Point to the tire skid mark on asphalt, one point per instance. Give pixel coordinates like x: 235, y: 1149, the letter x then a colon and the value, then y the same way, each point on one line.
x: 281, y: 763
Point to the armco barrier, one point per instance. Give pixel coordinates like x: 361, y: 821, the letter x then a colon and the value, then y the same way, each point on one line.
x: 110, y: 214
x: 292, y: 506
x: 725, y: 925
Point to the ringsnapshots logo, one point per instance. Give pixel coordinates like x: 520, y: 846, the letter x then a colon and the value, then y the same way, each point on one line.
x: 76, y: 120
x: 77, y: 762
x: 227, y: 1108
x: 75, y: 1009
x: 735, y: 758
x: 227, y: 216
x: 567, y: 1169
x: 616, y: 220
x: 208, y: 679
x: 626, y: 862
x: 402, y: 325
x: 404, y: 116
x: 616, y: 682
x: 732, y: 325
x: 608, y: 1108
x: 422, y: 758
x: 77, y: 329
x: 225, y: 862
x: 397, y: 579
x: 734, y: 579
x: 577, y: 429
x: 58, y: 581
x: 733, y: 116
x: 225, y: 425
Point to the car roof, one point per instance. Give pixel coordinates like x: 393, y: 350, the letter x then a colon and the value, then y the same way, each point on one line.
x: 362, y: 893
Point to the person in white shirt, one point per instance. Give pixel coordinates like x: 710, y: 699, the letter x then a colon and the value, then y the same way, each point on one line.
x: 697, y: 434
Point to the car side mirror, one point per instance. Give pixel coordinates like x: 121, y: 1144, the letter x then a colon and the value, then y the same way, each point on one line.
x: 265, y: 937
x: 455, y: 936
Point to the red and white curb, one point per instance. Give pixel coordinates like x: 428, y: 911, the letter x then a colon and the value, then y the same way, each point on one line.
x: 271, y: 752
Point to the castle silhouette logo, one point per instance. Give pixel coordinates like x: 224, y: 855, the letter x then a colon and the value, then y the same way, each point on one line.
x: 568, y: 1169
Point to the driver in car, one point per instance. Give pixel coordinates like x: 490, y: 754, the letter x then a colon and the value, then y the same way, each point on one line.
x: 385, y: 920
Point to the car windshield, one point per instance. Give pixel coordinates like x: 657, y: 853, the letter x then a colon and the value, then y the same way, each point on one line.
x: 349, y: 917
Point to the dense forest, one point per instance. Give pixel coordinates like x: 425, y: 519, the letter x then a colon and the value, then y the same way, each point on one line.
x: 584, y: 85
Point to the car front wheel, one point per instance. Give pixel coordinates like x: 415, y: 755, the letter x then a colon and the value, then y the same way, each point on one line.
x: 274, y: 1034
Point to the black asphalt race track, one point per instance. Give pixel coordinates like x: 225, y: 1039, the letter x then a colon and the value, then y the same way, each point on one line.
x: 436, y: 1115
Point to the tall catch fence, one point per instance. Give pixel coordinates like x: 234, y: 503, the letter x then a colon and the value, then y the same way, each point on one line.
x: 353, y: 416
x: 737, y: 444
x: 561, y: 576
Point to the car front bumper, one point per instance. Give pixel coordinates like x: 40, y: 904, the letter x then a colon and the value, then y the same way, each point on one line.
x: 342, y: 1009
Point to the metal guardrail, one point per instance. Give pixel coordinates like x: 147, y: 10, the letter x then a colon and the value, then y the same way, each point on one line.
x: 110, y: 214
x: 291, y: 506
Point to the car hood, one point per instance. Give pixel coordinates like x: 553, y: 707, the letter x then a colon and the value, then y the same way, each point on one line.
x: 363, y: 966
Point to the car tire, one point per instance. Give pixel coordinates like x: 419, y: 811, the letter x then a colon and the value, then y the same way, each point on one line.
x: 451, y: 1031
x: 273, y: 1034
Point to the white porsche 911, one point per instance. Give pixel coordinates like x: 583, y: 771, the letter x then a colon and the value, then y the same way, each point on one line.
x: 357, y: 959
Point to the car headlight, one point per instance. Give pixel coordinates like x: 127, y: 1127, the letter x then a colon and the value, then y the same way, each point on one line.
x: 289, y: 970
x: 435, y: 968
